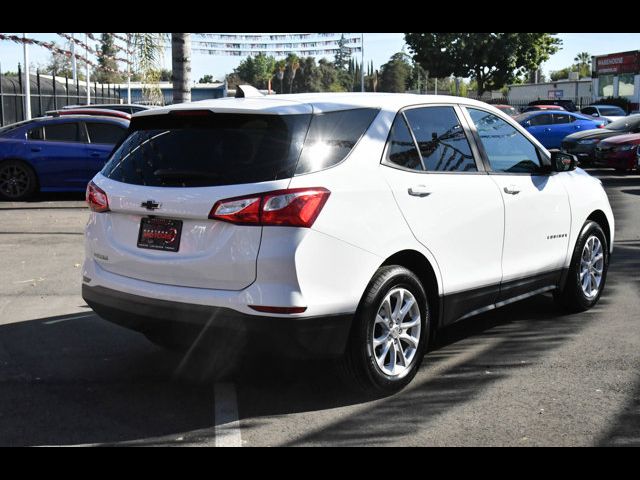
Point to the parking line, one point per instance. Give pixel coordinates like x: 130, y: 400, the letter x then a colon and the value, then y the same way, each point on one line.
x: 86, y: 315
x: 227, y: 425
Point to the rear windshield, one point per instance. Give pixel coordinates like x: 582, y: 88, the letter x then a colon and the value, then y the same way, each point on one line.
x: 212, y: 149
x: 614, y: 111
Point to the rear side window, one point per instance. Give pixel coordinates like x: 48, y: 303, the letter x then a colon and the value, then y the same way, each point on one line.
x: 441, y: 139
x: 402, y: 149
x: 208, y: 149
x: 331, y: 137
x: 62, y: 132
x: 107, y: 133
x: 562, y: 118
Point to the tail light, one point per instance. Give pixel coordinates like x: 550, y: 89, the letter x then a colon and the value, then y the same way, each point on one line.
x: 97, y: 198
x: 295, y: 207
x: 601, y: 125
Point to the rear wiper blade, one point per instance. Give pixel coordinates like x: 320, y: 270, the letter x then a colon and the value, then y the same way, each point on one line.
x: 169, y: 173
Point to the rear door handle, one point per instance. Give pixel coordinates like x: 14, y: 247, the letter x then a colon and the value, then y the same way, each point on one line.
x: 511, y: 190
x: 419, y: 191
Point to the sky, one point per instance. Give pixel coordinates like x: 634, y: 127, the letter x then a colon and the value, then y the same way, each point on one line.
x: 377, y: 47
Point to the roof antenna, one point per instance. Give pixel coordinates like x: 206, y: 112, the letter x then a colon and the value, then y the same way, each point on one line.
x: 246, y: 91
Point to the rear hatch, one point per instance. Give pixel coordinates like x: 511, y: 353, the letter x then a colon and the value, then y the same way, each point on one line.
x: 164, y: 179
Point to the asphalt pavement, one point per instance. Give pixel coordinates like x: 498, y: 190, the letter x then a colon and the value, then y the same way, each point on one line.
x: 523, y: 375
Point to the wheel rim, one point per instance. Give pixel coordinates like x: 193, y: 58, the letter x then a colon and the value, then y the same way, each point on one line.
x: 591, y: 267
x: 396, y: 332
x: 14, y: 180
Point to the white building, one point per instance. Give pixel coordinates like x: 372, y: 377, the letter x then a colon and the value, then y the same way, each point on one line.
x: 580, y: 91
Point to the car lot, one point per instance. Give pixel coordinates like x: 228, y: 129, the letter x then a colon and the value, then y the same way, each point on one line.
x: 523, y: 375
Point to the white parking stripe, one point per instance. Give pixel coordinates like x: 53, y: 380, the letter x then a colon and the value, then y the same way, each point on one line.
x: 51, y: 322
x: 227, y: 425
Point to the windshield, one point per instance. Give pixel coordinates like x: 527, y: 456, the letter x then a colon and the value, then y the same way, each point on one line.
x: 14, y: 126
x: 615, y: 111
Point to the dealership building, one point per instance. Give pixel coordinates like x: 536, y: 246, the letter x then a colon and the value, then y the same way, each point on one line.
x: 617, y: 75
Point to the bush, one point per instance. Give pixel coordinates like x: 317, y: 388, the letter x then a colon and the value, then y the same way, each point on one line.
x: 617, y: 101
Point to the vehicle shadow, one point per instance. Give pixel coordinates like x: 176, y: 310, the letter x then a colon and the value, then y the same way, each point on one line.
x: 42, y: 197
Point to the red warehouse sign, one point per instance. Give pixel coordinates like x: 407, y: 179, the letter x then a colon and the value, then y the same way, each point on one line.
x: 626, y: 62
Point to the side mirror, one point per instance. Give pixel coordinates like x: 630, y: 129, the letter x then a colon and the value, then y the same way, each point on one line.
x: 596, y: 114
x: 562, y: 161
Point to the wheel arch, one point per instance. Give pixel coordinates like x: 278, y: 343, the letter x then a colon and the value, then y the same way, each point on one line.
x: 421, y: 266
x: 600, y: 218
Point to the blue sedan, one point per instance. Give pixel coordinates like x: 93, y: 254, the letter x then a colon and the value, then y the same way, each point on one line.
x: 55, y: 154
x: 550, y: 127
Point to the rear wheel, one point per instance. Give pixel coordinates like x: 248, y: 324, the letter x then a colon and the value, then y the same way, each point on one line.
x: 390, y: 332
x: 18, y: 181
x: 587, y: 272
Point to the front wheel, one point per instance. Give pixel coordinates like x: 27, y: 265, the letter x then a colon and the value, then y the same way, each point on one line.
x: 389, y: 334
x: 587, y: 272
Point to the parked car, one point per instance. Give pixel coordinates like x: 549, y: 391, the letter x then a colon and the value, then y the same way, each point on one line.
x: 550, y: 127
x: 539, y: 108
x: 568, y: 105
x: 315, y: 224
x: 90, y: 111
x: 608, y: 112
x: 583, y: 144
x: 619, y: 152
x: 121, y: 107
x: 508, y: 109
x: 54, y: 154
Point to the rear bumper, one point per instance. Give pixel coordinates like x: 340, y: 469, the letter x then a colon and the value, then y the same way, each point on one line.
x: 583, y: 152
x: 309, y: 337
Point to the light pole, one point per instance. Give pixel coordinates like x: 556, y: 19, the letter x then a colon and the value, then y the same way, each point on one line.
x: 86, y: 61
x: 128, y: 69
x: 73, y: 57
x: 362, y: 63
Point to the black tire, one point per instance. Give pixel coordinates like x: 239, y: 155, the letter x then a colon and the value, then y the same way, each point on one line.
x: 572, y: 297
x: 18, y: 181
x: 358, y: 365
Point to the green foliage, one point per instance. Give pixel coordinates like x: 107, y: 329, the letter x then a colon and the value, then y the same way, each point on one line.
x: 256, y: 70
x: 561, y: 74
x: 343, y: 54
x: 206, y: 79
x: 491, y: 59
x: 621, y: 102
x: 396, y: 74
x: 106, y: 62
x: 59, y: 64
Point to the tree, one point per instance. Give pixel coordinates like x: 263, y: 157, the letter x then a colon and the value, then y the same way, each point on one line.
x: 491, y: 59
x: 257, y: 71
x: 181, y: 66
x: 583, y: 64
x: 206, y: 79
x: 58, y: 64
x: 106, y: 71
x: 147, y: 51
x: 561, y: 74
x: 342, y: 55
x: 396, y: 74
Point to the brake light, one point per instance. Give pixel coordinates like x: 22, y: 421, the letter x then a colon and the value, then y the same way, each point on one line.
x: 97, y: 198
x: 296, y: 207
x: 601, y: 125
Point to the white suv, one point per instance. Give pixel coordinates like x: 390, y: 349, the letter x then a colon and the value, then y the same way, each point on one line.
x: 346, y: 226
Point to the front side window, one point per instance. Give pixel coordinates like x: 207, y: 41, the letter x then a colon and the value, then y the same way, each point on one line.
x: 36, y: 134
x: 62, y: 132
x: 507, y: 149
x: 441, y: 139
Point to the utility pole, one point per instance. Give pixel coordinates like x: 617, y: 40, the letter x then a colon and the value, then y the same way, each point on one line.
x: 73, y: 57
x: 27, y: 83
x: 86, y: 61
x: 362, y: 63
x: 128, y: 68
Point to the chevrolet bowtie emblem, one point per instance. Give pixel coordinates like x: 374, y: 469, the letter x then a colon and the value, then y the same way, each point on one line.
x: 150, y: 205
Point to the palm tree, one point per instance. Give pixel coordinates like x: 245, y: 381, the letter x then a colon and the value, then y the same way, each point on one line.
x: 294, y: 65
x: 148, y: 50
x: 583, y: 62
x: 181, y: 66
